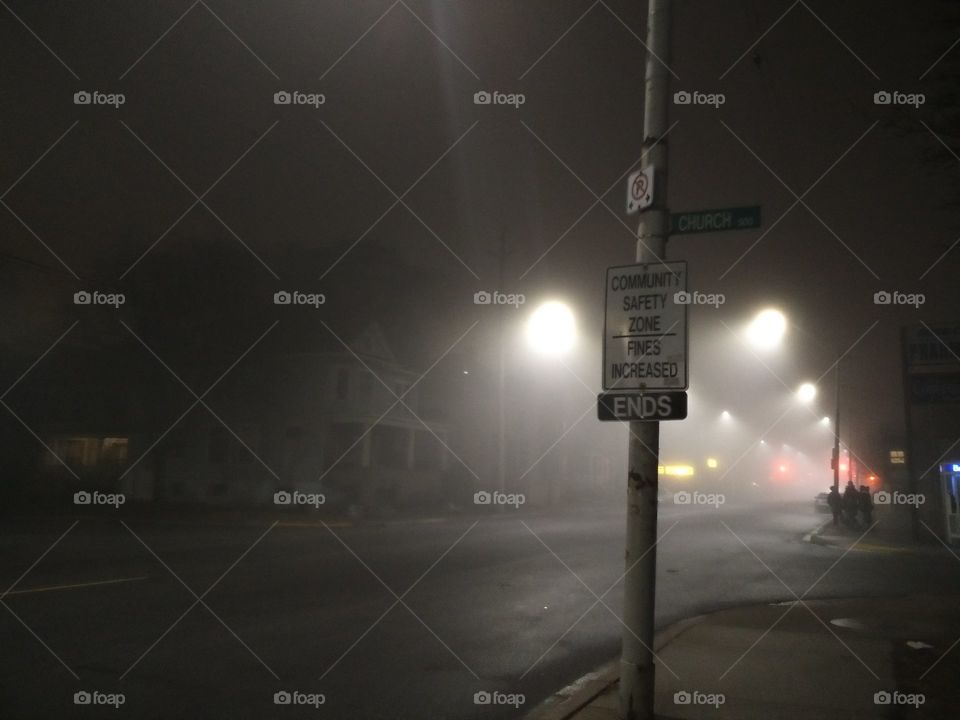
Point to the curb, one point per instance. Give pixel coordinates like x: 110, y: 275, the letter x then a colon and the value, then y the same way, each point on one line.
x: 815, y: 536
x: 568, y: 701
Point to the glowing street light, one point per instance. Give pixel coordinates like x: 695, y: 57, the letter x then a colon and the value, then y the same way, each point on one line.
x: 806, y: 392
x: 725, y: 415
x: 552, y: 329
x: 825, y: 420
x: 767, y: 329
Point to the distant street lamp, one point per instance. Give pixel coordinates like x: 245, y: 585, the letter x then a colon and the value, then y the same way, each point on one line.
x: 806, y: 392
x: 552, y: 329
x: 766, y: 330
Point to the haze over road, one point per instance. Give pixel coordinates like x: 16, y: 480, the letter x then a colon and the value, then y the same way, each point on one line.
x: 398, y: 619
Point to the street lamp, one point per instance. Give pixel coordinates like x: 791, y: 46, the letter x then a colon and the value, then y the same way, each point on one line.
x: 806, y: 392
x: 766, y: 330
x: 552, y: 329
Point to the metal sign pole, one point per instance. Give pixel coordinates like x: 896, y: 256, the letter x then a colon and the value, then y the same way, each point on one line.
x: 636, y: 664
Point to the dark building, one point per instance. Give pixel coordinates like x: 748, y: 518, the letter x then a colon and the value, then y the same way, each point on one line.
x: 931, y: 356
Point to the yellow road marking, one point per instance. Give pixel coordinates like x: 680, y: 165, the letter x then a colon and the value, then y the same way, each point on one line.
x: 74, y: 586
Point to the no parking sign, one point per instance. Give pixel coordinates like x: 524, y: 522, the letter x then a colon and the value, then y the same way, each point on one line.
x: 639, y: 190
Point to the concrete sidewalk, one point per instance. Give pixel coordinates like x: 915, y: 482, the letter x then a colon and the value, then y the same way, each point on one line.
x: 892, y: 531
x: 831, y: 659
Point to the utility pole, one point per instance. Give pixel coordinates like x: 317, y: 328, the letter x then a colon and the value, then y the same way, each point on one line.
x: 636, y: 663
x: 836, y: 437
x: 501, y: 372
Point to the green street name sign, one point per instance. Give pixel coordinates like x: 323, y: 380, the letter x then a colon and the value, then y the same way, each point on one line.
x: 701, y: 221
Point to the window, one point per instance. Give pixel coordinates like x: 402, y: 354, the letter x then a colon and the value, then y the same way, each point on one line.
x: 114, y: 451
x: 78, y: 452
x: 897, y: 457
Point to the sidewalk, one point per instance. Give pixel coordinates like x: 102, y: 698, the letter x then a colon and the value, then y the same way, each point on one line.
x: 892, y: 531
x: 788, y: 661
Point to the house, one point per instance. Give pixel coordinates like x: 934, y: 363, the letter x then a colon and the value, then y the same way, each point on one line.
x: 327, y: 420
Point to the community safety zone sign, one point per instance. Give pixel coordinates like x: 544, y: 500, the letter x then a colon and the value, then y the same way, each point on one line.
x: 645, y: 327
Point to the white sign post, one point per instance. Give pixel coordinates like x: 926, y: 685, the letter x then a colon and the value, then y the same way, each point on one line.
x: 645, y: 327
x: 639, y: 189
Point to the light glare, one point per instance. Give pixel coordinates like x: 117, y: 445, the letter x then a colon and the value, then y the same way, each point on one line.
x: 552, y: 329
x: 806, y: 392
x: 767, y: 329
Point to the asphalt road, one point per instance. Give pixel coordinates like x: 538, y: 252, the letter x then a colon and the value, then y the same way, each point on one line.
x: 406, y: 619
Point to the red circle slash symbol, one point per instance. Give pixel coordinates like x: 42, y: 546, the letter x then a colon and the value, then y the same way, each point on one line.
x: 639, y: 188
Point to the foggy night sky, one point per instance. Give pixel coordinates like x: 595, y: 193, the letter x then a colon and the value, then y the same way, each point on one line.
x: 399, y: 99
